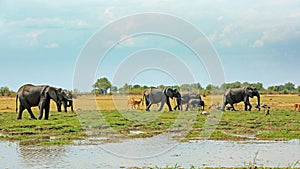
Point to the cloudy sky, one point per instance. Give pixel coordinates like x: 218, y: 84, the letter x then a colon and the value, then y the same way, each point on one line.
x: 256, y: 41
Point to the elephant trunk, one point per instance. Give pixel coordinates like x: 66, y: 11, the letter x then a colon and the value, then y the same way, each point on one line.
x: 258, y: 101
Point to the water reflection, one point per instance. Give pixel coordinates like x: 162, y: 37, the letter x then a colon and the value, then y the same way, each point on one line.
x: 197, y: 153
x: 42, y: 156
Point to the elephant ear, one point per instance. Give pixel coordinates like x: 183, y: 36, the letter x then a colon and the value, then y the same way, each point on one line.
x: 176, y: 93
x: 169, y: 92
x: 44, y: 91
x: 66, y: 95
x: 249, y: 91
x: 53, y: 93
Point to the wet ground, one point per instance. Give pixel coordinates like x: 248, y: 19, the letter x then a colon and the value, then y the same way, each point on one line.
x: 157, y: 151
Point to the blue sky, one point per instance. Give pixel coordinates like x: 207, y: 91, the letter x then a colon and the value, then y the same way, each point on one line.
x: 257, y: 41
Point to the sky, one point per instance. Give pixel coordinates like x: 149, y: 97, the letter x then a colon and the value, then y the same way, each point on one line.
x: 42, y: 42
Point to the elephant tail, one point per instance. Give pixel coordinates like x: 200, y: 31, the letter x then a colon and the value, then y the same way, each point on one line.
x: 17, y: 103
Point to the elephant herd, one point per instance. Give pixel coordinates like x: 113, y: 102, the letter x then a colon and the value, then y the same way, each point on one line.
x: 155, y: 96
x: 31, y: 96
x: 193, y: 100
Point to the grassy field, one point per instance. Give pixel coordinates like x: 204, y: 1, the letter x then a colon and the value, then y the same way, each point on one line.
x: 111, y: 116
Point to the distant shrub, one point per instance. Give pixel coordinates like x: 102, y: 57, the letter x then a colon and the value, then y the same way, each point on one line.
x: 5, y: 91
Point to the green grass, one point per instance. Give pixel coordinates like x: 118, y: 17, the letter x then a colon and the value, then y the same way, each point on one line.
x: 62, y: 128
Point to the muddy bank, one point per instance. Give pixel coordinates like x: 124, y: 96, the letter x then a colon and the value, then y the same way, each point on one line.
x: 153, y: 152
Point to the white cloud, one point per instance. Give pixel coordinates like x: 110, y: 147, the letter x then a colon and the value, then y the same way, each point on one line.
x: 294, y: 15
x: 258, y: 43
x: 220, y: 18
x: 107, y: 11
x: 33, y: 37
x: 228, y: 28
x: 212, y: 37
x: 127, y: 41
x: 51, y: 46
x: 48, y: 23
x: 277, y: 35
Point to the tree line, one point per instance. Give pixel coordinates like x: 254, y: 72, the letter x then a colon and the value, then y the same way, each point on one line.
x: 104, y: 86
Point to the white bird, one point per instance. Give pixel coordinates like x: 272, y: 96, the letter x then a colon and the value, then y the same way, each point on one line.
x: 205, y: 113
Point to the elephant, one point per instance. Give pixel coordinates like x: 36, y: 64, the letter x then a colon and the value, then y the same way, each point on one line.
x: 185, y: 98
x: 195, y: 103
x: 146, y: 93
x: 154, y: 96
x: 236, y: 95
x: 30, y: 96
x: 66, y: 101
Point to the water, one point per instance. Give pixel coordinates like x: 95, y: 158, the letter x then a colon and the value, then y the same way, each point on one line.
x: 157, y: 151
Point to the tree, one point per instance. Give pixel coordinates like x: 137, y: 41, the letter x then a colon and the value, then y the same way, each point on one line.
x: 114, y: 89
x: 102, y: 85
x: 185, y: 87
x: 258, y: 86
x: 211, y: 87
x: 161, y: 86
x: 4, y: 91
x: 246, y: 84
x: 236, y: 85
x: 289, y: 86
x: 136, y: 86
x: 125, y: 88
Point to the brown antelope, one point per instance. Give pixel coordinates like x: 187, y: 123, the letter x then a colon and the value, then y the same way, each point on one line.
x: 297, y: 105
x: 135, y: 103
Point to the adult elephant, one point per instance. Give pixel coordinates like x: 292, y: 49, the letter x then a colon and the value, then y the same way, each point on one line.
x: 66, y: 101
x: 185, y: 98
x: 30, y: 96
x: 155, y: 96
x: 236, y: 95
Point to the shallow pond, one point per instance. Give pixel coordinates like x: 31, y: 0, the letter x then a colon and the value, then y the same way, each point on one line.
x: 151, y: 152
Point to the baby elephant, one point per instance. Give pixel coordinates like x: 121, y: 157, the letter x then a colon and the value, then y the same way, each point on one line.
x: 195, y: 103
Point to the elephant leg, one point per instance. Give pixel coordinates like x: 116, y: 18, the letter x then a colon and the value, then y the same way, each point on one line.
x: 224, y: 105
x: 31, y: 114
x: 41, y: 112
x: 161, y: 106
x: 168, y: 103
x: 246, y: 106
x: 65, y: 104
x: 147, y: 102
x: 187, y: 107
x: 47, y: 108
x: 21, y: 109
x: 58, y: 105
x: 148, y: 107
x: 190, y: 106
x: 250, y: 107
x: 71, y: 104
x: 163, y: 101
x: 202, y: 105
x: 231, y: 104
x: 41, y: 107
